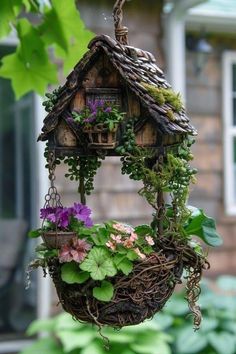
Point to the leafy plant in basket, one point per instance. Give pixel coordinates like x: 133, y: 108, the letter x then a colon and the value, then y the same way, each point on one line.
x: 114, y: 268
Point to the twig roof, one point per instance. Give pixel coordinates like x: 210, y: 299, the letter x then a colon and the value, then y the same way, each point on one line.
x: 136, y: 67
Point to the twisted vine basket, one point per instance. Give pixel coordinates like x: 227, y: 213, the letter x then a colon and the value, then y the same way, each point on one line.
x: 137, y: 296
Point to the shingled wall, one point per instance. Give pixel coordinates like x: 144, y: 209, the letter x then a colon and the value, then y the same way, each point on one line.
x: 115, y: 195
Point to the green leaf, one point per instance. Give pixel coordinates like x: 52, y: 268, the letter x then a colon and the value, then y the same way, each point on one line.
x: 121, y: 337
x: 123, y: 264
x: 75, y: 339
x: 131, y: 255
x: 208, y: 324
x: 47, y: 325
x: 71, y: 274
x: 29, y: 67
x: 52, y: 28
x: 176, y: 306
x: 101, y: 236
x: 222, y: 342
x: 99, y: 264
x: 189, y: 341
x: 105, y: 292
x: 147, y: 343
x: 8, y: 12
x: 227, y: 282
x: 34, y: 233
x: 229, y: 326
x: 143, y: 230
x: 204, y: 227
x: 64, y: 321
x: 31, y: 6
x: 47, y: 345
x: 64, y: 27
x: 163, y: 320
x: 93, y: 348
x: 41, y: 248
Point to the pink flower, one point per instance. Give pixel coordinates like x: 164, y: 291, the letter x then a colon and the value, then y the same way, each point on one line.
x: 128, y: 243
x: 117, y: 238
x: 133, y: 236
x: 75, y: 251
x: 111, y: 245
x: 150, y: 240
x: 139, y: 253
x: 123, y: 228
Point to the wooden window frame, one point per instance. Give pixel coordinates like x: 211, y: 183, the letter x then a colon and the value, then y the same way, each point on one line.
x: 229, y: 58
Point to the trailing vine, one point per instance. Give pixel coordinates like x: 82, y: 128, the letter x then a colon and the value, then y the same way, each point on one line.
x: 52, y: 99
x: 173, y: 175
x: 83, y: 169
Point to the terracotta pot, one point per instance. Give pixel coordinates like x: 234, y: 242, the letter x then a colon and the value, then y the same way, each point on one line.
x: 57, y: 239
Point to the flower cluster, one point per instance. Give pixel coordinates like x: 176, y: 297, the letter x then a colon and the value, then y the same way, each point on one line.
x: 63, y: 217
x: 76, y: 251
x: 126, y: 236
x: 98, y: 111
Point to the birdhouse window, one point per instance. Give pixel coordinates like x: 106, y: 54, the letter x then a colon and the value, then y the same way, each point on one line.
x: 109, y: 95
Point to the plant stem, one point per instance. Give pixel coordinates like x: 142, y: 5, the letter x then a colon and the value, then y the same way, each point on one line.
x: 81, y: 190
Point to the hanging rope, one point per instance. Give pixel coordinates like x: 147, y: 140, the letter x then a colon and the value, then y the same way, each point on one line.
x: 121, y: 32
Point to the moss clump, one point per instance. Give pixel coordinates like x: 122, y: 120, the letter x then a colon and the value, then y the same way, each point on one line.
x: 170, y: 114
x: 156, y: 93
x: 162, y: 95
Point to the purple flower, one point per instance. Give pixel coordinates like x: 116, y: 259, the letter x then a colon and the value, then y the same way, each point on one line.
x: 63, y: 217
x: 82, y: 212
x: 93, y: 105
x: 91, y: 118
x: 108, y: 110
x: 44, y: 212
x: 69, y: 119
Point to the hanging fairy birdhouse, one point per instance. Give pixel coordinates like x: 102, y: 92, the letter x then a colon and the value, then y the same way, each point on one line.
x: 117, y: 102
x: 110, y: 85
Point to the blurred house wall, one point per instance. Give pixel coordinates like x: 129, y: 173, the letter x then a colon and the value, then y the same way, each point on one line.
x: 115, y: 196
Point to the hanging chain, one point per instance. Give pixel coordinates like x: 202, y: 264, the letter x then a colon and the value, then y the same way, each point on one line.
x: 121, y: 32
x: 52, y: 198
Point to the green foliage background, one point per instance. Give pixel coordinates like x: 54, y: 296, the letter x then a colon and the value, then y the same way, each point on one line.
x: 46, y: 31
x: 170, y: 332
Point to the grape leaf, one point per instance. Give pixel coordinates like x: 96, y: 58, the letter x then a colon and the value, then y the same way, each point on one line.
x: 71, y: 274
x: 8, y: 12
x: 105, y: 292
x: 77, y: 48
x: 63, y: 27
x: 29, y: 67
x: 52, y: 28
x: 99, y: 264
